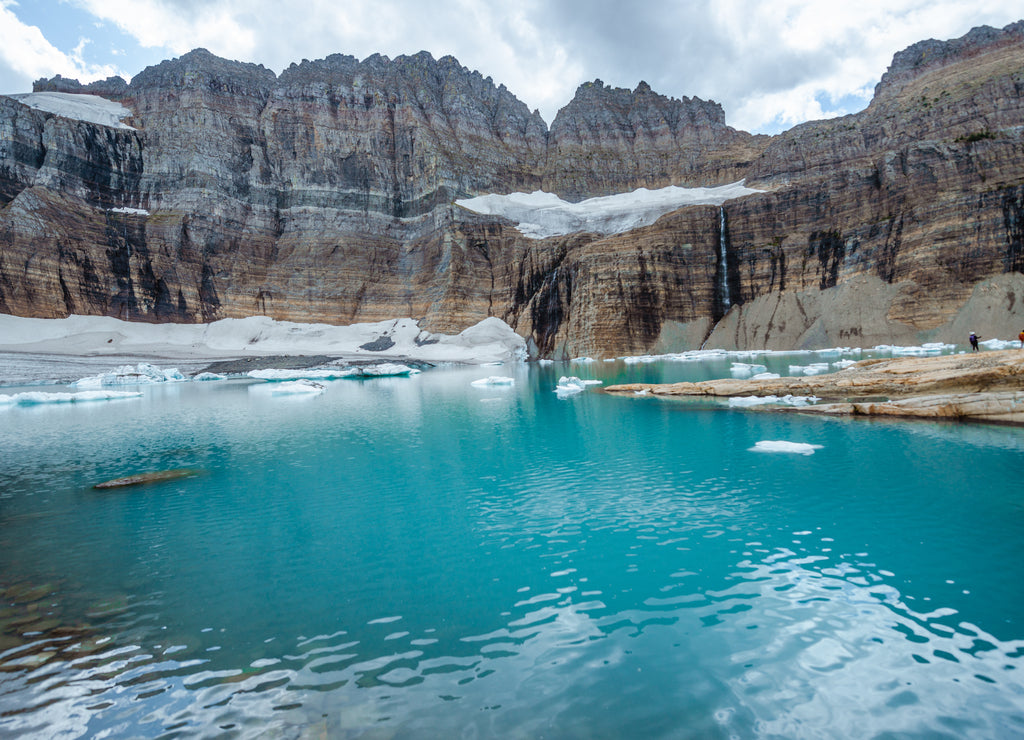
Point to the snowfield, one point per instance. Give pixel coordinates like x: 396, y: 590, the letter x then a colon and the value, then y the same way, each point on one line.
x: 88, y: 108
x: 541, y: 214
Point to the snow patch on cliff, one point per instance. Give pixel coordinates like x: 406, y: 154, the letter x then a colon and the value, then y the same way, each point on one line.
x: 541, y: 214
x: 88, y: 108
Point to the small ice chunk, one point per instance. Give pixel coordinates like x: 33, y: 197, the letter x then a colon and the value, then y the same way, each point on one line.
x: 745, y: 370
x: 582, y: 360
x: 275, y: 375
x: 1000, y: 344
x: 571, y: 385
x: 929, y: 348
x: 766, y: 376
x: 493, y: 380
x: 796, y: 448
x: 843, y: 364
x: 298, y: 387
x: 815, y: 368
x: 209, y: 376
x: 384, y: 369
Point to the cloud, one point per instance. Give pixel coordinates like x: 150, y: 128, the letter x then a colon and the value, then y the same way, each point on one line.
x: 26, y: 55
x: 770, y: 65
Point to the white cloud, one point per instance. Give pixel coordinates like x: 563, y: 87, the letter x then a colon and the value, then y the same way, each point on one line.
x: 26, y: 55
x: 798, y: 53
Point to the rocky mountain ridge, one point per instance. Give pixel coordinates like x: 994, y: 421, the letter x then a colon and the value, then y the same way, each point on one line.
x: 326, y: 193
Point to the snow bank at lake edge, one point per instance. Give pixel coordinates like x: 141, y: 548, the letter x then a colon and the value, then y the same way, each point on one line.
x: 490, y: 340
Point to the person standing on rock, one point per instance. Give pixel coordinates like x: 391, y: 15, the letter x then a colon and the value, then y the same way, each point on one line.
x: 1021, y: 338
x: 974, y: 341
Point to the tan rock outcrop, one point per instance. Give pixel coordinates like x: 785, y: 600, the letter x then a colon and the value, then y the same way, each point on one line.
x: 984, y: 386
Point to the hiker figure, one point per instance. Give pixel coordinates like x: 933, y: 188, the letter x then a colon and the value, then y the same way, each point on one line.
x: 974, y: 341
x: 1021, y: 338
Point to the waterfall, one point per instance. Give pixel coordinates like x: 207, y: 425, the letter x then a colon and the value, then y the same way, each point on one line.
x: 723, y: 267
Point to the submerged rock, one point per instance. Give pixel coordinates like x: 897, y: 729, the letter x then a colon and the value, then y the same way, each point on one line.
x: 153, y: 477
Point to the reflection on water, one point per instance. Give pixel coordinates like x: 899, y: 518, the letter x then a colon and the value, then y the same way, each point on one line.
x: 410, y: 557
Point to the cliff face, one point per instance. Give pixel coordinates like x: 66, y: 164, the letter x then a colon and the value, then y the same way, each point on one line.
x: 610, y: 140
x: 326, y: 194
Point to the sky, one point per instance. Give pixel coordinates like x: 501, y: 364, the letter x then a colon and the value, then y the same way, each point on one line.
x: 770, y: 65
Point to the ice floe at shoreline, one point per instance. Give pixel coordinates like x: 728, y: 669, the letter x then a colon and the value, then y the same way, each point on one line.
x: 383, y: 370
x: 49, y: 351
x: 142, y: 374
x: 748, y: 401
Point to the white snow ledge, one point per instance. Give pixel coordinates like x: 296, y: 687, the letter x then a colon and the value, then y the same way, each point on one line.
x: 88, y: 108
x: 541, y: 214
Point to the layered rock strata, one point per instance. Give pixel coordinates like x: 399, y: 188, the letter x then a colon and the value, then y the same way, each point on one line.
x: 326, y: 194
x: 987, y: 386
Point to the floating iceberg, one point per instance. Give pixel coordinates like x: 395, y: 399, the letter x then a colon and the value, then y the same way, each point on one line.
x: 746, y: 370
x: 570, y: 386
x: 306, y: 374
x: 32, y: 398
x: 930, y: 348
x: 815, y: 368
x: 493, y: 380
x: 796, y: 448
x: 140, y: 374
x: 209, y: 376
x: 995, y: 344
x: 385, y: 369
x: 298, y: 387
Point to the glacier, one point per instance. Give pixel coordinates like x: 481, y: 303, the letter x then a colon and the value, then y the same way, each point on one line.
x: 540, y: 215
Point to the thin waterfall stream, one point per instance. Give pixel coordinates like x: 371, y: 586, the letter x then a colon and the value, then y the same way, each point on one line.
x: 723, y: 267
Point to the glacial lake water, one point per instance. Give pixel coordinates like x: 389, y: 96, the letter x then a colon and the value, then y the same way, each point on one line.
x: 418, y: 557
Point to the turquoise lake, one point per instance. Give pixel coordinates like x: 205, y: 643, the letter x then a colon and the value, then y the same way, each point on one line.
x: 417, y: 557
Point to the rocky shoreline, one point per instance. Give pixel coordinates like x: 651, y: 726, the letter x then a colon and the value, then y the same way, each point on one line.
x: 985, y: 387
